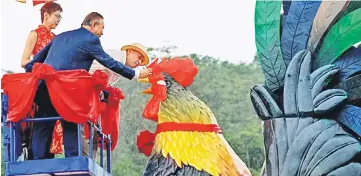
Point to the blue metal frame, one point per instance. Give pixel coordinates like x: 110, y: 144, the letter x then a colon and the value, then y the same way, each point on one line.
x: 80, y: 165
x: 71, y: 164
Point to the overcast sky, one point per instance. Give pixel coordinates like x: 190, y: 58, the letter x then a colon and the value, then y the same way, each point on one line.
x: 219, y: 28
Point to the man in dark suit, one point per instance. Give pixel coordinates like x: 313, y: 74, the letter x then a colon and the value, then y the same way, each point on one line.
x: 72, y: 50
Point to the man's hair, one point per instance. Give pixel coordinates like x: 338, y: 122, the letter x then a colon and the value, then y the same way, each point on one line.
x: 91, y: 17
x: 50, y: 8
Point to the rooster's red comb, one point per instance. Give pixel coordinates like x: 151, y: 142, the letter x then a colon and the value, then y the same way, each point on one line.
x: 182, y: 70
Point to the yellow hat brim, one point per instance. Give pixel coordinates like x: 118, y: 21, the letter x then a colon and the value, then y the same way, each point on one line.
x: 146, y: 58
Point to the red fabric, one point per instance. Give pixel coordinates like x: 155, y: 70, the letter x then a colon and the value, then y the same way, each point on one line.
x: 57, y: 142
x: 63, y: 86
x: 43, y: 39
x: 145, y: 142
x: 21, y: 89
x: 36, y: 2
x: 57, y: 139
x: 145, y: 139
x: 110, y: 117
x: 172, y: 126
x: 182, y: 70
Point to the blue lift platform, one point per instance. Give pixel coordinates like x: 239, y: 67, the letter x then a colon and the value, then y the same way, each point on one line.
x: 74, y: 166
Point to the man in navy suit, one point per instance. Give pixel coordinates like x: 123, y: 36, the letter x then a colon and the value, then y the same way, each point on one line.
x: 72, y: 50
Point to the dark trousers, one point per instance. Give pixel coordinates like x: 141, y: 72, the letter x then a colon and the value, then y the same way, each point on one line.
x: 43, y: 130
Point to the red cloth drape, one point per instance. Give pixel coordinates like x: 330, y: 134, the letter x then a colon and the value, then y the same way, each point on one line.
x: 74, y: 94
x: 21, y: 89
x: 36, y: 2
x: 110, y: 117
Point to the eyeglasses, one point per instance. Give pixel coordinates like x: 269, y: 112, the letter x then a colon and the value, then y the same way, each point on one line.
x: 58, y: 16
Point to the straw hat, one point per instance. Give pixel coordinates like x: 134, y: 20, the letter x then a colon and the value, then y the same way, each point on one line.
x: 141, y: 49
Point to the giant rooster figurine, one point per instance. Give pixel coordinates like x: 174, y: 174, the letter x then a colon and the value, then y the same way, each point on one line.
x: 311, y: 101
x: 187, y: 140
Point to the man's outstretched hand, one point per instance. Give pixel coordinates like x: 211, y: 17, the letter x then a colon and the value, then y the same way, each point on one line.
x: 145, y: 73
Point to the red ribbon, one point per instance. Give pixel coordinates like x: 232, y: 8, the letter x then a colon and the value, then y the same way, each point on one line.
x: 111, y: 115
x: 145, y: 139
x: 36, y: 2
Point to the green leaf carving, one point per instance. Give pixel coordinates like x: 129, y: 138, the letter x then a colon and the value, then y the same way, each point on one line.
x: 267, y: 26
x: 344, y: 34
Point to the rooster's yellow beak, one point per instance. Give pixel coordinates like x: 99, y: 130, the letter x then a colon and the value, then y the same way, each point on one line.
x: 146, y: 80
x: 147, y: 91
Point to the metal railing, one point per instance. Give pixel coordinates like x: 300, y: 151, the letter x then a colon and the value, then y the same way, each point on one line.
x: 103, y: 137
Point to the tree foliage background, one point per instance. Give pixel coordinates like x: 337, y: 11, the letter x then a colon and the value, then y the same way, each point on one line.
x: 223, y: 86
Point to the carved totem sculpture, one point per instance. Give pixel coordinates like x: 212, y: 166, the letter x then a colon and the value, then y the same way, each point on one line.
x: 311, y: 101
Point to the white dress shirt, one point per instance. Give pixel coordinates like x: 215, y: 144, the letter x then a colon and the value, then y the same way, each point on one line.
x: 112, y: 76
